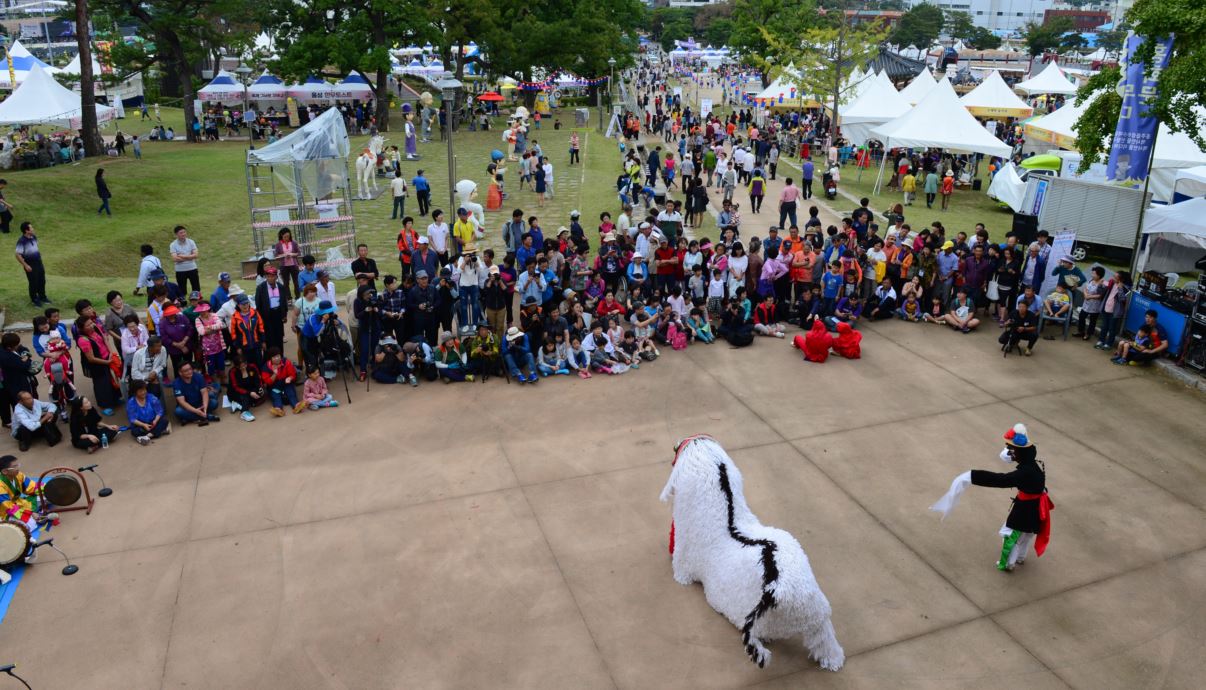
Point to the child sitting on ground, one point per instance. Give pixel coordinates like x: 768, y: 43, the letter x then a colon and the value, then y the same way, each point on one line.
x: 911, y: 310
x: 547, y: 361
x: 935, y: 314
x: 578, y: 359
x: 315, y: 393
x: 698, y: 322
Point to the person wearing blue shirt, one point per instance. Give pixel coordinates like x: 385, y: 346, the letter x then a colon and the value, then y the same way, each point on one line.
x: 517, y: 353
x: 527, y: 250
x: 809, y: 171
x: 530, y: 283
x: 831, y: 284
x: 550, y: 282
x: 221, y: 293
x: 422, y: 192
x: 536, y: 233
x: 147, y: 418
x: 638, y: 271
x: 308, y: 274
x: 195, y: 402
x: 948, y: 263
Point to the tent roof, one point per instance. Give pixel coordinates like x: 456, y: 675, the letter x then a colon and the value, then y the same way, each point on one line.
x: 1196, y: 173
x: 1185, y: 218
x: 73, y: 67
x: 23, y: 60
x: 1050, y: 80
x: 919, y: 88
x: 324, y: 137
x: 940, y: 121
x: 224, y: 87
x: 267, y: 78
x: 1056, y: 127
x: 879, y: 102
x: 994, y: 98
x: 42, y: 100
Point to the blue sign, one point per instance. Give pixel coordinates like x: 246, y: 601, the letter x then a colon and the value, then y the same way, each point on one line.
x: 1131, y: 148
x: 1040, y: 193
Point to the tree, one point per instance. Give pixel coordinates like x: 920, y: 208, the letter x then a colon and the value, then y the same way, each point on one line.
x: 1099, y: 120
x: 959, y: 24
x: 983, y: 39
x: 1179, y: 87
x: 1111, y: 41
x: 670, y: 24
x: 89, y: 131
x: 185, y: 32
x: 918, y: 27
x: 1041, y: 38
x: 758, y: 22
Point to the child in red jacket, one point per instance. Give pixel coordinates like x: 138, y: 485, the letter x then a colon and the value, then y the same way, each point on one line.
x: 816, y: 344
x: 847, y: 342
x: 279, y: 377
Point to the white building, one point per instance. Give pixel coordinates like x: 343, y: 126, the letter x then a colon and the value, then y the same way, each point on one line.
x: 998, y: 15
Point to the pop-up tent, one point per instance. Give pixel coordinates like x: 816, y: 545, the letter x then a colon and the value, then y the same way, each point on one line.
x: 354, y: 86
x: 267, y: 88
x: 223, y: 89
x: 23, y: 64
x: 1189, y: 183
x: 939, y: 121
x: 314, y: 89
x: 1176, y: 237
x: 73, y: 67
x: 42, y: 100
x: 919, y: 88
x: 993, y: 98
x: 1057, y: 127
x: 1051, y: 80
x: 879, y: 103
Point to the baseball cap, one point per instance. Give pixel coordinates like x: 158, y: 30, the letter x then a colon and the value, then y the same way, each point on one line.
x: 223, y: 277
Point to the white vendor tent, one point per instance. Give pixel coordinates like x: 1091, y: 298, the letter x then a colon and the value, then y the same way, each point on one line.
x: 23, y: 63
x: 878, y: 104
x: 225, y: 88
x: 42, y: 100
x: 1008, y: 187
x: 1189, y: 183
x: 1051, y: 80
x: 1057, y: 127
x: 268, y: 88
x: 73, y: 67
x: 354, y: 87
x: 939, y: 121
x: 315, y: 89
x: 919, y: 88
x: 1176, y: 237
x: 993, y: 98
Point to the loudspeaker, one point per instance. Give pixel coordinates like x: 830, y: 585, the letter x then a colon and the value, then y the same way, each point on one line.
x: 1195, y: 348
x: 1025, y: 228
x: 977, y: 184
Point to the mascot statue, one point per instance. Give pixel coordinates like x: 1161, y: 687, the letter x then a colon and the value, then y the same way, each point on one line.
x: 366, y: 165
x: 466, y: 195
x: 428, y: 115
x: 377, y: 146
x: 756, y: 576
x: 412, y: 146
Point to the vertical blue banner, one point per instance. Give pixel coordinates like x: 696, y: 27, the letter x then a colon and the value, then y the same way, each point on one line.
x: 1135, y: 135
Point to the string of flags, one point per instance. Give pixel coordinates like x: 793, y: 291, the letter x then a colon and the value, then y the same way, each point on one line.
x: 552, y: 83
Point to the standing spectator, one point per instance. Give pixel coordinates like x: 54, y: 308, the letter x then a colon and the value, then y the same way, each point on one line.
x: 931, y: 188
x: 6, y: 210
x: 363, y: 265
x: 809, y: 171
x: 136, y: 144
x: 115, y: 318
x: 787, y: 202
x: 30, y: 258
x: 272, y: 302
x: 422, y: 192
x: 469, y: 311
x: 437, y: 236
x: 148, y: 265
x: 184, y: 255
x: 96, y: 358
x: 1114, y: 309
x: 398, y: 189
x: 288, y: 254
x: 948, y: 188
x: 102, y: 191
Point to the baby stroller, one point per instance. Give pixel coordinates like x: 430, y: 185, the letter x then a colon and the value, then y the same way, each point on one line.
x: 830, y: 185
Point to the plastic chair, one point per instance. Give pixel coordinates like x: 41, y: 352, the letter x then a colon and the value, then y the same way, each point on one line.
x: 1066, y: 319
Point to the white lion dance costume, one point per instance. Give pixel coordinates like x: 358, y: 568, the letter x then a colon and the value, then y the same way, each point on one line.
x: 756, y: 576
x: 1029, y: 521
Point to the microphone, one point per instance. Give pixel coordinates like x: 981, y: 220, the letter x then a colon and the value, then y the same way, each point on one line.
x: 105, y: 490
x: 69, y: 569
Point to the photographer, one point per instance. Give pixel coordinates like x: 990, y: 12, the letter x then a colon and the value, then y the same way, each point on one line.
x: 367, y: 310
x: 495, y: 298
x: 469, y: 311
x: 449, y: 294
x: 422, y: 302
x: 391, y: 364
x: 393, y: 309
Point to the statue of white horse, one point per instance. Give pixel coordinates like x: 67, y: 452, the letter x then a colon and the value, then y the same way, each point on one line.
x: 366, y: 174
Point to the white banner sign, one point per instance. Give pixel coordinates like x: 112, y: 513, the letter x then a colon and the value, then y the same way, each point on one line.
x: 1061, y: 245
x: 705, y: 106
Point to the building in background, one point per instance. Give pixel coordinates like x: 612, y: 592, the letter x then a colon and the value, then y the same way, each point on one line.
x: 1082, y: 20
x: 997, y: 15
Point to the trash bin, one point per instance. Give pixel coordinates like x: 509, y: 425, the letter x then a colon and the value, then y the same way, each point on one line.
x: 581, y: 117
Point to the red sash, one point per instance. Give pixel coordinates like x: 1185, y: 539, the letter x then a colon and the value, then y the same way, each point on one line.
x: 1045, y: 508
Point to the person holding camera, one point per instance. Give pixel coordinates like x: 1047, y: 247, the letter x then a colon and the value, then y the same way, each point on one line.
x: 495, y: 298
x: 393, y: 309
x: 392, y: 364
x: 422, y: 302
x: 449, y: 294
x: 367, y: 310
x: 469, y: 309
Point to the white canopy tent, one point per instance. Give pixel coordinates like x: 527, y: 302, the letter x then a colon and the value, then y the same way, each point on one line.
x: 1051, y: 80
x: 23, y: 64
x: 919, y: 88
x: 314, y: 89
x: 1189, y: 183
x: 1176, y: 237
x: 1008, y: 187
x: 224, y: 88
x: 268, y: 87
x: 73, y: 67
x: 939, y: 121
x: 354, y: 86
x: 41, y: 100
x: 879, y: 103
x: 1057, y: 127
x: 993, y: 98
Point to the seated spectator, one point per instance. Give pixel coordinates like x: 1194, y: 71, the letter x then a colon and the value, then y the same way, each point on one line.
x: 393, y: 364
x: 847, y: 310
x: 450, y: 361
x: 698, y: 322
x: 246, y: 387
x: 883, y: 303
x: 484, y: 356
x: 962, y: 313
x: 517, y: 353
x: 314, y: 393
x: 279, y: 377
x: 1150, y: 342
x: 766, y: 318
x: 195, y: 401
x: 33, y: 418
x: 147, y: 419
x: 1021, y: 326
x: 910, y: 309
x: 87, y: 429
x: 1057, y: 306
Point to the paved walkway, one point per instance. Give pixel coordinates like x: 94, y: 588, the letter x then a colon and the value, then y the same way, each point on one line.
x: 470, y: 535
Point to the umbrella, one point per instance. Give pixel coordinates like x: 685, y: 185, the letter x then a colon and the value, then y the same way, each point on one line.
x: 490, y: 96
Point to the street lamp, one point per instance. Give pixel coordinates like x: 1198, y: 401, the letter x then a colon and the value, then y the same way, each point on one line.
x: 244, y: 73
x: 448, y: 87
x: 611, y: 78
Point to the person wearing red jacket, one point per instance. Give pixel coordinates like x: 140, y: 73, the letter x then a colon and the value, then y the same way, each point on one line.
x: 280, y: 376
x: 766, y: 318
x: 847, y: 342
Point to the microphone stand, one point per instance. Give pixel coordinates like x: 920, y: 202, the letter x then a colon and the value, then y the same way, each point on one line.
x: 8, y: 669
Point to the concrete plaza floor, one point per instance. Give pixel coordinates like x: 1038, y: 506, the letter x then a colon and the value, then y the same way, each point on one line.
x: 492, y: 535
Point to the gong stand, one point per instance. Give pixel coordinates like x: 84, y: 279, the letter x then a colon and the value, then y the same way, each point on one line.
x: 69, y: 495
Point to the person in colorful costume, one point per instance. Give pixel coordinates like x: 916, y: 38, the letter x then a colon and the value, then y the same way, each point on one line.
x: 18, y: 493
x: 1029, y: 521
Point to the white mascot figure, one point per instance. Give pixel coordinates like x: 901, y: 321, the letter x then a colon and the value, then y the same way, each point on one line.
x: 756, y: 576
x: 466, y: 193
x: 366, y: 166
x: 377, y: 147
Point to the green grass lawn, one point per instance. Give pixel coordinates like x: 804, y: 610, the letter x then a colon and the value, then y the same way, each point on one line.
x: 203, y: 186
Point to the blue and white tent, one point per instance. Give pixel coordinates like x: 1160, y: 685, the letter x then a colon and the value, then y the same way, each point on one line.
x: 268, y: 87
x: 355, y: 85
x: 225, y: 88
x: 23, y: 62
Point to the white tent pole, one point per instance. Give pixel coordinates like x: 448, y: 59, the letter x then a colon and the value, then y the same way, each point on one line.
x: 882, y: 161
